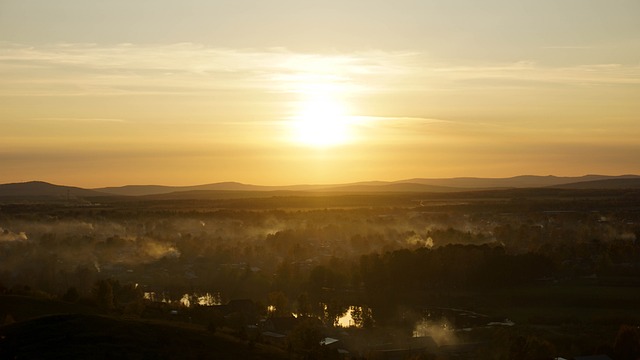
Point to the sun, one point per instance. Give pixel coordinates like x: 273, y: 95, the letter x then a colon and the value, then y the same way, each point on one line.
x: 320, y: 121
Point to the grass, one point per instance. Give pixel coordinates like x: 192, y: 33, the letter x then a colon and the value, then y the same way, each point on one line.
x: 81, y: 336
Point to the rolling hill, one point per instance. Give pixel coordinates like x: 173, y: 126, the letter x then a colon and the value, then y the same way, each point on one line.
x: 409, y: 185
x: 41, y: 189
x: 608, y: 184
x: 143, y: 190
x: 85, y: 336
x: 523, y: 181
x: 38, y: 190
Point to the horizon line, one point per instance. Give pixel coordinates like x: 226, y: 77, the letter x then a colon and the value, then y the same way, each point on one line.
x: 360, y: 182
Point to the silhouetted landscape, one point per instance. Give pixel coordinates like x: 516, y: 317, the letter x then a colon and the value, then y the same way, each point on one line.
x: 320, y: 180
x: 524, y: 267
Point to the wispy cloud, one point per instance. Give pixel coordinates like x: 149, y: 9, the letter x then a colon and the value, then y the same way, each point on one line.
x: 398, y: 121
x: 192, y: 69
x: 179, y: 68
x: 82, y: 120
x: 567, y: 47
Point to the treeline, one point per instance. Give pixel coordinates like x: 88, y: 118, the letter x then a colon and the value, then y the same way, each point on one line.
x: 406, y: 278
x: 453, y: 266
x: 413, y: 277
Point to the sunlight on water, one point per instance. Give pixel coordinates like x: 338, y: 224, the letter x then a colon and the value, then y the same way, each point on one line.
x: 346, y: 320
x: 207, y: 299
x: 356, y: 316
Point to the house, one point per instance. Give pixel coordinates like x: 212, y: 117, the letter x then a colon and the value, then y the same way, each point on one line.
x: 335, y: 344
x: 246, y: 307
x: 274, y: 330
x: 281, y: 324
x: 276, y: 339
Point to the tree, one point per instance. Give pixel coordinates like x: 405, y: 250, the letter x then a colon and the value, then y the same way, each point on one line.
x: 280, y: 303
x: 334, y: 309
x: 305, y: 338
x: 627, y: 343
x: 304, y: 306
x: 103, y: 294
x: 531, y: 348
x: 362, y: 317
x: 71, y: 295
x: 215, y: 320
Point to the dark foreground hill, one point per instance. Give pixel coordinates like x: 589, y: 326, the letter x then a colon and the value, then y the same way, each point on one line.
x: 76, y: 336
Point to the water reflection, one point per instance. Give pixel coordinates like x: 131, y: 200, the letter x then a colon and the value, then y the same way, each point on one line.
x: 356, y: 316
x: 346, y: 320
x: 206, y: 299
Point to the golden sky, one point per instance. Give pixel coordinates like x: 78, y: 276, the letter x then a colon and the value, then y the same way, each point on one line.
x: 101, y: 93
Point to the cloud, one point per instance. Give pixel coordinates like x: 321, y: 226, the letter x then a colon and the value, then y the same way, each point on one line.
x: 179, y: 68
x: 412, y: 119
x: 7, y: 235
x: 194, y: 69
x: 568, y: 47
x: 82, y: 120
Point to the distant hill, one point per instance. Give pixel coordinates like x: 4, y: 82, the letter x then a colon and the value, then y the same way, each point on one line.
x: 218, y: 194
x: 409, y: 185
x: 137, y: 190
x: 306, y: 191
x: 606, y: 184
x: 523, y: 181
x: 40, y: 189
x: 143, y: 190
x: 391, y: 187
x: 228, y: 190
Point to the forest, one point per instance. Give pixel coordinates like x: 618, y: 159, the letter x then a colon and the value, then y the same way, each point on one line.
x: 487, y: 275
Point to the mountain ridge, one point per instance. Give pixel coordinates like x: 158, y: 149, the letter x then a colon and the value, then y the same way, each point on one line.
x: 436, y: 184
x: 32, y: 189
x: 45, y: 189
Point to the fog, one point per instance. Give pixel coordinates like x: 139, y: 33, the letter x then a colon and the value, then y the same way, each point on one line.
x: 196, y: 247
x: 8, y: 235
x: 389, y: 273
x: 113, y: 243
x: 441, y: 331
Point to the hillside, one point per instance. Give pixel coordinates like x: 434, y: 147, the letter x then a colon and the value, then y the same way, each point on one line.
x: 40, y: 189
x: 143, y: 190
x: 22, y: 308
x: 76, y: 336
x: 389, y: 187
x: 606, y: 184
x: 409, y: 185
x: 523, y: 181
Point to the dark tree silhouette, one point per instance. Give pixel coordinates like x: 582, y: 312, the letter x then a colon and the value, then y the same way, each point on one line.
x: 103, y: 294
x: 627, y: 343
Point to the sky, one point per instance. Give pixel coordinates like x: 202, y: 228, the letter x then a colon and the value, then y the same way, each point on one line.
x: 108, y: 93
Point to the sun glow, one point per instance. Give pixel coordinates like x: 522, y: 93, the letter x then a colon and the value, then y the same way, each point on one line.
x: 321, y: 121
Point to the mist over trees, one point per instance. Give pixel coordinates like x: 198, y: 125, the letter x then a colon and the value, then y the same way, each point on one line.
x: 384, y: 266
